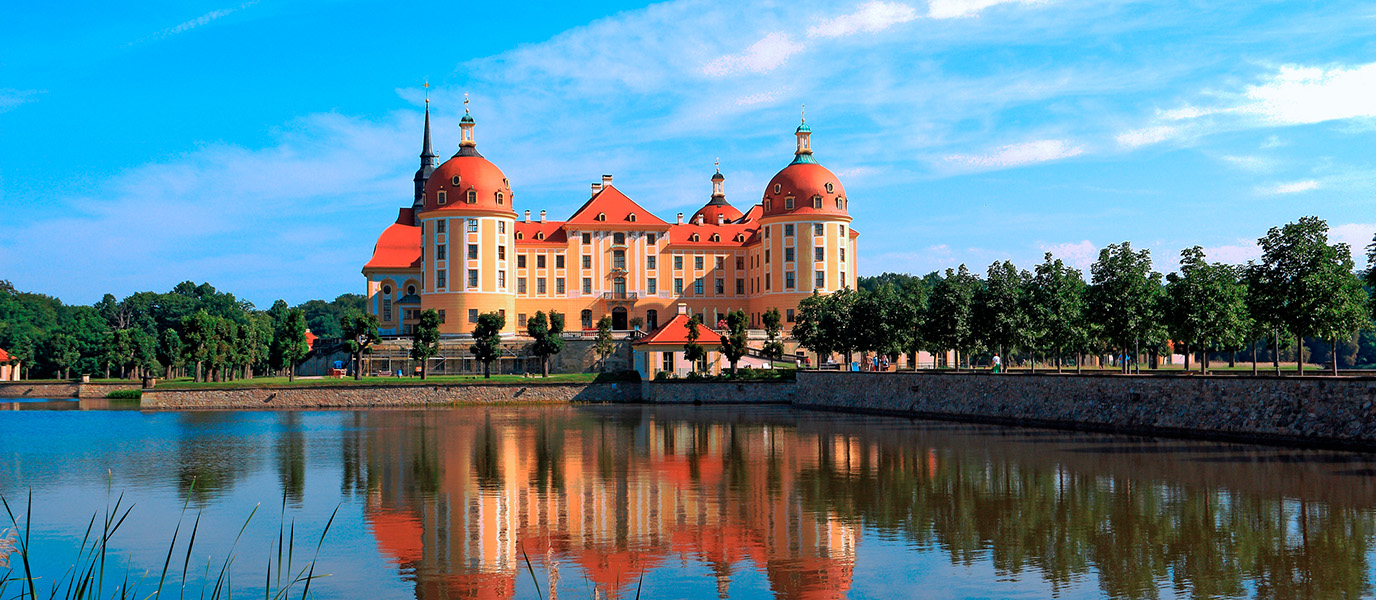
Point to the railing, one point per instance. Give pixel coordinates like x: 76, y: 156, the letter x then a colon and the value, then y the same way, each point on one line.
x: 620, y: 295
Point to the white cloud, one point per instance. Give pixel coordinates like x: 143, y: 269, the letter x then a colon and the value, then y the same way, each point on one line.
x: 1233, y: 254
x: 1357, y: 236
x: 759, y: 98
x: 1080, y: 254
x: 1291, y: 187
x: 952, y: 9
x: 1272, y: 141
x: 1247, y: 163
x: 197, y: 22
x: 870, y: 17
x: 1014, y: 155
x: 1184, y: 113
x: 770, y: 53
x: 1146, y: 136
x: 1298, y: 95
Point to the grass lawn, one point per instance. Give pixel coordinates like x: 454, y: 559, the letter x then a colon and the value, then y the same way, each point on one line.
x: 184, y: 384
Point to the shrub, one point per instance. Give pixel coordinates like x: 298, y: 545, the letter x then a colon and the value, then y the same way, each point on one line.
x: 125, y: 395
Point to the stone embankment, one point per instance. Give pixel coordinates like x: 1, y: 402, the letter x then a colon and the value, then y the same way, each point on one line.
x: 1331, y: 411
x: 718, y: 392
x: 359, y: 396
x: 61, y: 389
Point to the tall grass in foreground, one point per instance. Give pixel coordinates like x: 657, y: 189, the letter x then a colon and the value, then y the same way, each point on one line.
x: 93, y: 576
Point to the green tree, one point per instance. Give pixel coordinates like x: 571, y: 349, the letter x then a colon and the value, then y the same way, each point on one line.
x: 692, y: 350
x: 487, y: 340
x: 289, y: 343
x: 880, y: 321
x: 63, y: 352
x: 360, y: 333
x: 198, y: 337
x: 910, y: 315
x: 1206, y: 305
x: 546, y: 336
x: 1057, y: 305
x: 1125, y: 298
x: 809, y: 326
x: 170, y: 352
x: 734, y: 340
x: 603, y: 344
x: 1310, y: 284
x: 425, y: 339
x: 773, y: 328
x: 950, y: 313
x: 1000, y: 311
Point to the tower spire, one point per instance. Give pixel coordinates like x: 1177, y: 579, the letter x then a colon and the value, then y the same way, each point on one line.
x: 466, y: 124
x: 804, y: 152
x: 427, y: 152
x: 427, y: 164
x: 717, y: 193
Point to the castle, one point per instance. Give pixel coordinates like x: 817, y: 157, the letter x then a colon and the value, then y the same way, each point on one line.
x: 462, y: 249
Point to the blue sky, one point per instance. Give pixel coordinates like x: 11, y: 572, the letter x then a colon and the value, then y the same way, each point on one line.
x: 263, y: 145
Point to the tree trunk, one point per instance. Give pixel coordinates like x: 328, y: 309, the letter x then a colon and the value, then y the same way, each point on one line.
x: 1333, y: 349
x: 487, y: 369
x: 544, y: 366
x: 1187, y: 356
x: 422, y: 369
x: 358, y: 365
x: 1275, y: 349
x: 291, y: 371
x: 1058, y: 360
x: 1232, y: 359
x: 1136, y: 356
x: 1299, y: 354
x: 1254, y: 358
x: 1079, y: 363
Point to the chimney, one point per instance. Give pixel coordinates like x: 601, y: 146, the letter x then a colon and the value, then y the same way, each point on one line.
x: 721, y: 218
x: 682, y: 309
x: 680, y: 218
x: 606, y: 181
x: 542, y: 216
x: 596, y: 187
x: 527, y: 216
x: 698, y: 221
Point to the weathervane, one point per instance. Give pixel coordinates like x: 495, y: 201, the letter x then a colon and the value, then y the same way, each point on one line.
x: 426, y: 85
x: 804, y: 112
x: 465, y: 103
x: 717, y: 164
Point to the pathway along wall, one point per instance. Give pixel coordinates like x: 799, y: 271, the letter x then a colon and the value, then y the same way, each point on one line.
x: 361, y: 396
x: 61, y: 389
x: 1319, y: 410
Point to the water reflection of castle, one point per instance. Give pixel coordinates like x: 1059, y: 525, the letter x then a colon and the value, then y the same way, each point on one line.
x: 458, y: 502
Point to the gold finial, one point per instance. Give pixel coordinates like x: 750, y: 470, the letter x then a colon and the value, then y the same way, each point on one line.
x: 804, y: 112
x: 465, y: 103
x: 426, y: 85
x: 717, y: 164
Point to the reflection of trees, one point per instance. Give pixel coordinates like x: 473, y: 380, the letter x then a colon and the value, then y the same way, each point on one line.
x: 1135, y: 536
x: 291, y: 457
x: 209, y: 460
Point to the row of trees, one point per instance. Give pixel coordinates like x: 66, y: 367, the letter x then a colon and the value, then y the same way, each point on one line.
x: 191, y: 330
x: 1301, y: 288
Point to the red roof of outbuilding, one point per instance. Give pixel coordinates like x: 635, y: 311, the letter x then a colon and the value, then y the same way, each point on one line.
x: 617, y: 207
x: 399, y: 245
x: 675, y: 333
x: 4, y: 356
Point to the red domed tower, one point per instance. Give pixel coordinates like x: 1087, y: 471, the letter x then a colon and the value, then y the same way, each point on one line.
x: 717, y: 211
x: 467, y: 225
x: 805, y: 238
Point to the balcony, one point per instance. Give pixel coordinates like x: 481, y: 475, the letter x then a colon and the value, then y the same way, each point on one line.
x: 621, y: 296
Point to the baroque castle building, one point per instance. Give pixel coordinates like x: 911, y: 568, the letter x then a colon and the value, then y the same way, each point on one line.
x: 462, y: 249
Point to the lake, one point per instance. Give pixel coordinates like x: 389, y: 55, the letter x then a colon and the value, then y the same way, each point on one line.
x: 599, y: 502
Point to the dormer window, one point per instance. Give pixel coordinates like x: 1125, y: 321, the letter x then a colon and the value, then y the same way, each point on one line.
x: 788, y: 203
x: 472, y: 196
x: 454, y: 180
x: 740, y: 237
x: 838, y: 202
x: 540, y: 235
x: 601, y: 216
x: 520, y: 236
x: 499, y: 198
x: 768, y: 206
x: 441, y: 198
x: 693, y: 238
x: 817, y: 201
x: 631, y: 217
x: 716, y: 237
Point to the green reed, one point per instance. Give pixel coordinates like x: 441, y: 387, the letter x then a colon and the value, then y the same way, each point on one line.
x: 85, y: 578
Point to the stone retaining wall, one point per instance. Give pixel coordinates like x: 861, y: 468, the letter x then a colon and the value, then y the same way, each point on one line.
x: 718, y: 392
x: 1322, y: 410
x: 388, y: 395
x: 61, y: 389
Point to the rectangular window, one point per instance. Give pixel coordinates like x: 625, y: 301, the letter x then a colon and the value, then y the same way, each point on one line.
x: 501, y: 279
x: 540, y: 286
x: 844, y: 282
x: 440, y: 198
x: 843, y: 254
x: 788, y: 203
x: 539, y: 261
x: 740, y: 287
x: 501, y: 226
x: 386, y: 309
x: 817, y: 228
x: 441, y: 312
x: 678, y: 263
x: 678, y: 286
x: 440, y: 278
x: 587, y: 239
x: 558, y: 261
x: 740, y: 263
x: 501, y: 252
x: 789, y: 316
x: 439, y: 225
x: 559, y: 285
x: 587, y: 285
x: 667, y: 362
x: 520, y: 261
x: 520, y: 285
x: 788, y: 230
x: 766, y: 256
x: 721, y: 262
x: 440, y: 250
x: 789, y: 283
x: 520, y: 319
x: 587, y: 261
x: 821, y: 282
x: 619, y: 259
x: 766, y: 232
x: 720, y: 288
x: 472, y: 278
x: 843, y: 229
x: 697, y: 286
x: 652, y: 286
x: 697, y: 262
x: 767, y: 279
x: 650, y: 262
x: 819, y: 254
x: 472, y: 226
x: 650, y: 239
x: 472, y: 315
x: 472, y: 252
x: 817, y: 203
x: 788, y: 255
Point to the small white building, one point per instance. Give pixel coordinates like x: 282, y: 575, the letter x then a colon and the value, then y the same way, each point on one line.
x: 9, y: 368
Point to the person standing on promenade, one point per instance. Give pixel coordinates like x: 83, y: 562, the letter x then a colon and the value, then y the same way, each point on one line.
x: 997, y: 364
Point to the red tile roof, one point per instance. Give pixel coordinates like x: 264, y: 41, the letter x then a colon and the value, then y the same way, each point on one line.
x: 472, y: 173
x: 399, y: 245
x: 529, y: 232
x: 682, y: 235
x: 4, y: 356
x: 802, y: 181
x: 675, y: 333
x: 616, y: 206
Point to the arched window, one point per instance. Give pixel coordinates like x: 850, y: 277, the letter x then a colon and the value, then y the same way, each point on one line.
x: 768, y: 205
x: 693, y: 238
x: 716, y: 237
x: 499, y: 198
x: 740, y: 237
x: 601, y: 216
x: 520, y: 236
x: 651, y: 319
x: 586, y: 318
x: 540, y: 235
x: 631, y: 217
x: 838, y: 202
